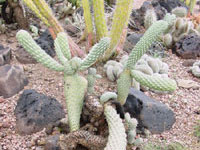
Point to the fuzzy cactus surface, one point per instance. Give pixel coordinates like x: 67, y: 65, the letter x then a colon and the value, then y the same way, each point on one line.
x: 100, y: 20
x: 117, y: 136
x: 149, y: 18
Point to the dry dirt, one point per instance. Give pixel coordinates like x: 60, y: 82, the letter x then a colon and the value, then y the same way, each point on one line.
x: 184, y: 102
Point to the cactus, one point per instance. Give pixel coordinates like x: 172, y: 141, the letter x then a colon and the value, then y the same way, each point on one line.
x: 180, y: 11
x: 192, y: 4
x: 125, y: 80
x: 149, y: 18
x: 120, y: 22
x: 117, y: 136
x: 92, y: 76
x: 43, y: 12
x: 113, y: 69
x: 75, y: 85
x: 107, y: 96
x: 196, y: 69
x: 99, y: 17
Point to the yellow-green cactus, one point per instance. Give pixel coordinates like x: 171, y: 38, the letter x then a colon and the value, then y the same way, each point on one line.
x: 75, y: 89
x: 120, y: 21
x: 117, y: 136
x: 192, y: 4
x: 88, y: 20
x: 100, y: 20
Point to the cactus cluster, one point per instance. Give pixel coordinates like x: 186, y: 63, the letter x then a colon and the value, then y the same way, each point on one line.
x: 125, y: 80
x: 75, y: 85
x: 149, y: 18
x: 179, y: 29
x: 196, y: 69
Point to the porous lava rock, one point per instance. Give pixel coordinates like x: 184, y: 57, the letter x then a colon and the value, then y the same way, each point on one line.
x: 35, y: 111
x: 151, y: 114
x: 188, y: 47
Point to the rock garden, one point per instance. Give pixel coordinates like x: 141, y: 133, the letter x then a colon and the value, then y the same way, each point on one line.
x: 99, y: 75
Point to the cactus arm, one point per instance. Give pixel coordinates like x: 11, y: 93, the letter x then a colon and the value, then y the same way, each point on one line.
x: 154, y: 82
x: 100, y: 20
x: 62, y: 39
x: 32, y: 6
x: 123, y: 86
x: 107, y: 96
x: 75, y: 88
x: 32, y: 48
x: 95, y: 53
x: 150, y: 36
x: 87, y: 16
x: 45, y: 10
x: 120, y: 22
x: 117, y: 136
x: 149, y: 18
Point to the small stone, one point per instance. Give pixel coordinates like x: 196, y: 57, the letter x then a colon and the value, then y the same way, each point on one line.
x: 188, y: 84
x: 188, y: 62
x: 5, y: 55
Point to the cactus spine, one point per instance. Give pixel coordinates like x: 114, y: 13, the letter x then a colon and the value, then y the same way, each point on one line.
x: 100, y: 20
x: 117, y: 136
x: 75, y: 85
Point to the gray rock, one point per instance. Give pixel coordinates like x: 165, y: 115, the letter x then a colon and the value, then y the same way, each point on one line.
x: 52, y: 143
x: 151, y: 114
x: 24, y: 57
x: 12, y: 80
x: 35, y: 111
x: 5, y: 55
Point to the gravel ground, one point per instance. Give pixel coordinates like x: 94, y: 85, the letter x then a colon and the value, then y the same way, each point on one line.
x: 184, y: 102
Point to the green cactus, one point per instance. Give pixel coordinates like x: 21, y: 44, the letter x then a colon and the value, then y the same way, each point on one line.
x: 180, y: 11
x: 192, y: 4
x: 149, y: 18
x: 125, y: 81
x: 154, y: 82
x: 117, y: 136
x: 75, y: 85
x: 107, y: 96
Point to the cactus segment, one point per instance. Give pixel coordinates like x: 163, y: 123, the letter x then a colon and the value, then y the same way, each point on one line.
x: 63, y: 42
x: 99, y: 18
x: 149, y: 18
x: 123, y: 85
x: 95, y: 53
x: 154, y: 82
x: 75, y: 88
x: 180, y: 11
x: 192, y: 4
x: 107, y: 96
x: 117, y: 136
x: 32, y: 48
x: 150, y: 36
x: 120, y: 21
x: 34, y: 8
x: 87, y: 16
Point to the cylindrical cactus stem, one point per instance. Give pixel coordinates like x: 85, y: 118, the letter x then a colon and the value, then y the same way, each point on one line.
x: 180, y: 11
x: 192, y: 4
x: 95, y: 53
x: 34, y: 8
x: 187, y: 2
x: 75, y: 89
x: 36, y: 52
x: 88, y: 20
x: 150, y: 36
x: 150, y: 18
x: 45, y: 10
x: 120, y: 22
x: 117, y: 136
x: 123, y: 86
x: 99, y: 18
x: 154, y: 82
